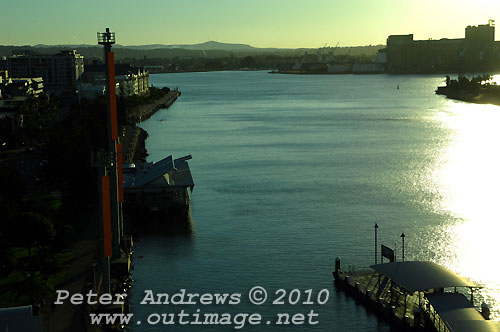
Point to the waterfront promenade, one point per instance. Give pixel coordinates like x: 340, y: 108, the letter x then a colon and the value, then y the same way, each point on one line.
x: 143, y: 112
x: 79, y: 279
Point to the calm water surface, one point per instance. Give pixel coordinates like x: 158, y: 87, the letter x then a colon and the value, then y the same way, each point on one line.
x: 292, y: 171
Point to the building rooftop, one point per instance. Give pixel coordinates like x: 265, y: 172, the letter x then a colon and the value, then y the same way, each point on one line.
x: 20, y: 319
x: 459, y: 314
x: 422, y: 276
x: 164, y: 174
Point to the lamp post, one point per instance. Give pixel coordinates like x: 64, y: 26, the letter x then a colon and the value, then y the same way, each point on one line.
x: 376, y: 227
x: 403, y: 239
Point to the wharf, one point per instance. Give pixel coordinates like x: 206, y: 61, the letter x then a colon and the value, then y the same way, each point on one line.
x: 133, y: 142
x: 144, y: 112
x: 413, y: 297
x: 376, y: 295
x: 158, y: 187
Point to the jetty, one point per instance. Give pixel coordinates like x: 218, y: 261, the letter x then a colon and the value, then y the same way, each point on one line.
x: 417, y: 296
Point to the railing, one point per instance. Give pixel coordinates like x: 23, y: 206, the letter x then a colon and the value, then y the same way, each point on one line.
x: 437, y: 321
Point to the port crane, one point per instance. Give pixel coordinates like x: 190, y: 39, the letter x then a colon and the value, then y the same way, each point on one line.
x: 329, y: 53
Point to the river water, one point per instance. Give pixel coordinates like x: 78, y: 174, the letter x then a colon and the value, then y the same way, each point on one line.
x: 292, y: 171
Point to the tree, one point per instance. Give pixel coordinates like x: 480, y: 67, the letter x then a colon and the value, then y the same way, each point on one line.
x: 33, y: 231
x: 6, y: 258
x: 30, y: 230
x: 12, y: 192
x: 37, y: 114
x: 248, y: 62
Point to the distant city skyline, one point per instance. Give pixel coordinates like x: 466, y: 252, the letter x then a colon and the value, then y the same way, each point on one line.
x: 259, y: 23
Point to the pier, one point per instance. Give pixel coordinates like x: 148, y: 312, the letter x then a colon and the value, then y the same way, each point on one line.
x: 417, y: 296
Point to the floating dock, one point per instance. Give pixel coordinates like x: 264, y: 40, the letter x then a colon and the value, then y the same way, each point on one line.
x: 417, y: 296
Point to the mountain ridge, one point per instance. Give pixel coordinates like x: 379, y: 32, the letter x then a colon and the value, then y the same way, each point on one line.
x: 209, y: 45
x: 210, y: 49
x: 205, y: 46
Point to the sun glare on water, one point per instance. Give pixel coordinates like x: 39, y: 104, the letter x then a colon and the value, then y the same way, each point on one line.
x: 468, y: 174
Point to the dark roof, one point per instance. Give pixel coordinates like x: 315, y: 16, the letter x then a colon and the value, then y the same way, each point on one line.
x: 459, y: 314
x: 20, y: 319
x: 152, y: 174
x: 420, y: 276
x: 476, y: 326
x: 453, y: 306
x: 157, y: 170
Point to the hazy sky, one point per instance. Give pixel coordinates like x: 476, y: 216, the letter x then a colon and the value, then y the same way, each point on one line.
x: 260, y: 23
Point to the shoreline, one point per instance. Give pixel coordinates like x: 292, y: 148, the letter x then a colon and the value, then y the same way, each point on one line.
x: 480, y: 97
x: 144, y: 112
x: 477, y: 99
x: 80, y: 277
x: 291, y: 72
x: 134, y: 137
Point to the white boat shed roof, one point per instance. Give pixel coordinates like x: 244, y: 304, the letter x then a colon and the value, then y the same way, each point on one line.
x: 421, y: 276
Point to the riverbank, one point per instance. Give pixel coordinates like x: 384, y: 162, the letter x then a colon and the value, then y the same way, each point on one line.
x: 133, y: 137
x: 82, y: 275
x: 143, y: 112
x: 349, y: 72
x: 476, y: 98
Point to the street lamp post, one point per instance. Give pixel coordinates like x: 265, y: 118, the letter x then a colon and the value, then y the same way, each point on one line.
x: 376, y: 227
x: 403, y: 239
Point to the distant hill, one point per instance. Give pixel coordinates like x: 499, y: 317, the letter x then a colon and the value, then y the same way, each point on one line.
x: 210, y: 49
x: 63, y: 46
x: 210, y: 45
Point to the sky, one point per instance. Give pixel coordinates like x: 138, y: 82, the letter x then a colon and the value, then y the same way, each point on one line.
x: 260, y: 23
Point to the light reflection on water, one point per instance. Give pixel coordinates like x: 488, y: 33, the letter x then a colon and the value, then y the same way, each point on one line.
x: 289, y: 180
x: 467, y: 176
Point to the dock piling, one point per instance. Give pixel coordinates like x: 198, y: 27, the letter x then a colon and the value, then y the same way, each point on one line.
x: 337, y: 265
x: 485, y: 311
x: 416, y: 317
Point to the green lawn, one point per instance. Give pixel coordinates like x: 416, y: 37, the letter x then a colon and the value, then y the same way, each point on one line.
x: 16, y: 287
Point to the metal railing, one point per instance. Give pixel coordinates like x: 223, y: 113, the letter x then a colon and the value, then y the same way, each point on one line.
x: 437, y: 321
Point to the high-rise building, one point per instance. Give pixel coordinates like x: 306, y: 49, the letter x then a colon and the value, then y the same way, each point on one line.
x: 59, y: 71
x: 477, y: 52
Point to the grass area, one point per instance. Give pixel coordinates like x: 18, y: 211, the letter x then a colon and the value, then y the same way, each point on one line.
x: 16, y: 287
